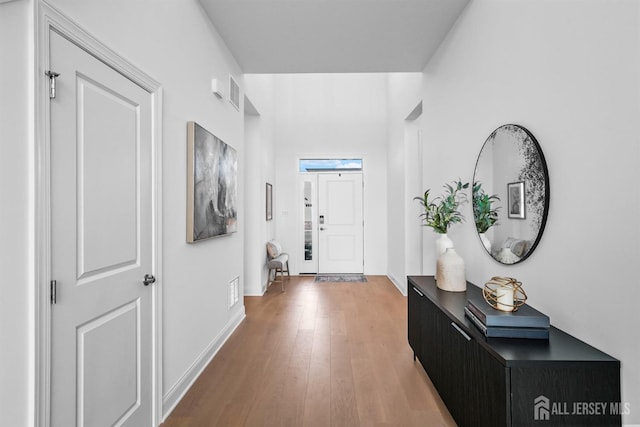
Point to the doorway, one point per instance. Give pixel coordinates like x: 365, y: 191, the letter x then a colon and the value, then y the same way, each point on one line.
x: 99, y: 209
x: 332, y: 232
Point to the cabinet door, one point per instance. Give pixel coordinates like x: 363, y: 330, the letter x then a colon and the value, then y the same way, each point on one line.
x: 455, y: 362
x: 471, y: 382
x: 563, y: 385
x: 414, y: 326
x: 487, y: 384
x: 435, y: 350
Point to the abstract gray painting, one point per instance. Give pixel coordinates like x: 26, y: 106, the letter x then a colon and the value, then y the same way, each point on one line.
x: 212, y: 185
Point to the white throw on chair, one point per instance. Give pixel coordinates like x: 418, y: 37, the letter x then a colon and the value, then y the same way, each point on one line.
x: 278, y: 262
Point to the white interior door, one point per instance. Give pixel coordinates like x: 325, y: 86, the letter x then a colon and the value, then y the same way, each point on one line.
x: 101, y: 244
x: 340, y: 223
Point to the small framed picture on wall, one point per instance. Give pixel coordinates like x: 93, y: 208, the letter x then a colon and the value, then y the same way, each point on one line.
x: 269, y: 198
x: 515, y: 190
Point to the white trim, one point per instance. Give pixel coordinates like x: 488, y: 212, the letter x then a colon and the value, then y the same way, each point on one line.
x: 181, y: 387
x: 157, y: 102
x: 49, y: 19
x: 254, y: 292
x: 397, y: 284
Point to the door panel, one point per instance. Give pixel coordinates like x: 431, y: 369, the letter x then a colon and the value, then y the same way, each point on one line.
x: 341, y: 227
x: 101, y: 243
x: 107, y: 233
x: 342, y: 247
x: 97, y: 361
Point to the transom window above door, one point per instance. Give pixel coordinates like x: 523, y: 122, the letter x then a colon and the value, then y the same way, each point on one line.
x: 324, y: 165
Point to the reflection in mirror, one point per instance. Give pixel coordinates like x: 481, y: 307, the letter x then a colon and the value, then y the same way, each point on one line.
x: 510, y: 194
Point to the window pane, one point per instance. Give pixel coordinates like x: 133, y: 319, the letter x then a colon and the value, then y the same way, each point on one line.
x: 314, y: 165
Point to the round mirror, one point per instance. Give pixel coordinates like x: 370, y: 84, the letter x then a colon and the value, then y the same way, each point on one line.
x: 510, y: 194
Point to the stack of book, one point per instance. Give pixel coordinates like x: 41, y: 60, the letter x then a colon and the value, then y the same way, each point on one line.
x: 526, y: 322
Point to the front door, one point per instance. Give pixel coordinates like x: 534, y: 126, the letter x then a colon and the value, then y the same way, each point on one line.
x: 340, y: 223
x: 101, y: 243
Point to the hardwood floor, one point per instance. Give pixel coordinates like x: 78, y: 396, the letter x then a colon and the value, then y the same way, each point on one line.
x: 319, y: 354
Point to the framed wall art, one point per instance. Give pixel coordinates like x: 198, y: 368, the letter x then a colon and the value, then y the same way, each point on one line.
x: 515, y: 191
x: 212, y: 185
x: 269, y: 199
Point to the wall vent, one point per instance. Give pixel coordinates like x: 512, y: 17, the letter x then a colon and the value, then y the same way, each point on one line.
x: 234, y: 291
x: 234, y: 93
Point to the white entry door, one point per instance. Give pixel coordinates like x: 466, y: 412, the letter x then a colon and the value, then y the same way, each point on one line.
x: 340, y: 223
x: 101, y: 244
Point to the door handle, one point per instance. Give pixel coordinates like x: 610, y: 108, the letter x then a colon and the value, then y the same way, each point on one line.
x: 149, y: 279
x: 323, y: 228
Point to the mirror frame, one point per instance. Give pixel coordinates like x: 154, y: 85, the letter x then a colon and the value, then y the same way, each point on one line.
x: 545, y: 171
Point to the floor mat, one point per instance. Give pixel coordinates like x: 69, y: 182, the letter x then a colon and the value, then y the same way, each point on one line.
x: 333, y: 278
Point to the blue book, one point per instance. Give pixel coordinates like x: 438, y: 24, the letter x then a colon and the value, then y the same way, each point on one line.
x: 507, y: 332
x: 525, y: 317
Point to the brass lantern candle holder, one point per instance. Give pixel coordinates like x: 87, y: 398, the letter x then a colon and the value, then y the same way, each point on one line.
x: 504, y: 293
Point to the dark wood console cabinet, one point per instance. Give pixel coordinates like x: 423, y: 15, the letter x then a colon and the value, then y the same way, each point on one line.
x: 495, y: 381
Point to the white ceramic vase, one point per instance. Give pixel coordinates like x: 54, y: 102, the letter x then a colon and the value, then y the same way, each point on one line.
x: 450, y: 274
x: 485, y: 242
x: 442, y: 243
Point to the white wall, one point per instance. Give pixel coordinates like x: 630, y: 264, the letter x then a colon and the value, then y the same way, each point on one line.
x: 175, y: 43
x: 570, y: 73
x: 16, y: 222
x: 260, y: 169
x: 403, y: 178
x: 331, y: 115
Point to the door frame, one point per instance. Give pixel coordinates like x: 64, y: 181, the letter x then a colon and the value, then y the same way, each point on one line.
x: 49, y: 19
x: 299, y: 260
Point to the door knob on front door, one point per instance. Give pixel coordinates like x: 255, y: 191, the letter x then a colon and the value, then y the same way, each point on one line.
x: 148, y: 279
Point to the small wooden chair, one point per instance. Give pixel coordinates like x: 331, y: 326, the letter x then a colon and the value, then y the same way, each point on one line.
x: 278, y: 262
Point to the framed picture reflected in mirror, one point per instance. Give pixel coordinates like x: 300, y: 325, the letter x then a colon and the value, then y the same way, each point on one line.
x: 516, y: 193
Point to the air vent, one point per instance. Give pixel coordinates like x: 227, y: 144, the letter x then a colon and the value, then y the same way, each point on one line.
x: 234, y: 93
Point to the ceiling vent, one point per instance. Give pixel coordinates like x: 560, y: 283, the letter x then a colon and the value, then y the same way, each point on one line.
x: 234, y: 93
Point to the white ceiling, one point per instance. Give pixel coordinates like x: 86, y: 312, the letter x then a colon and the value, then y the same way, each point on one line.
x: 333, y: 36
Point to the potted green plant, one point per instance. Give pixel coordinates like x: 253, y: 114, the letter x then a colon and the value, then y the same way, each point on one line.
x: 484, y: 212
x: 441, y: 212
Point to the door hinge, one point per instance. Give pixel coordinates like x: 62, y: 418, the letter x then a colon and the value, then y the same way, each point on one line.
x: 54, y: 292
x: 52, y: 83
